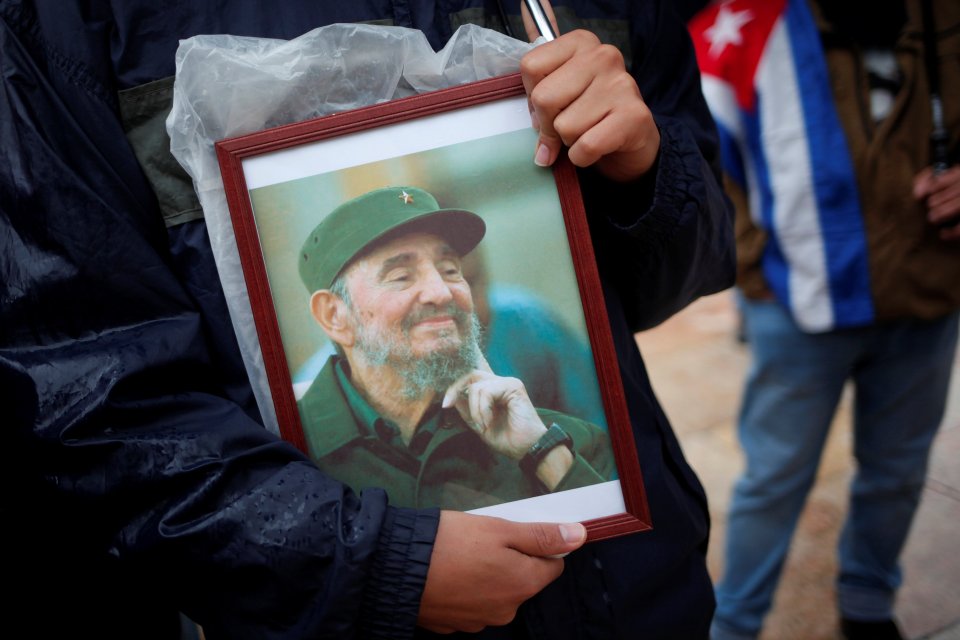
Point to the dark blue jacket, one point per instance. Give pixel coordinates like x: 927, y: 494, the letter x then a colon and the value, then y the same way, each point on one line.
x: 137, y: 478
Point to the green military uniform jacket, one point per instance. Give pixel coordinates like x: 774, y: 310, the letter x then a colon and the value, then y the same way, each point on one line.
x: 450, y: 468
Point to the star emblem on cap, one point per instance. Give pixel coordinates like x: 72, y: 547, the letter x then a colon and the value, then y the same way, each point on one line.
x: 406, y: 197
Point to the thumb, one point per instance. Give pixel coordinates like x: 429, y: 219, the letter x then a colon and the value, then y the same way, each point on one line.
x: 544, y: 539
x: 548, y: 148
x: 922, y: 182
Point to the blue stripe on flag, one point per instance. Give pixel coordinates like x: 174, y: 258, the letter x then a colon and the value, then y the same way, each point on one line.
x: 838, y: 202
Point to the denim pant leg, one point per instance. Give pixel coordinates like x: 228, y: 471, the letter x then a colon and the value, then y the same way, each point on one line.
x: 902, y: 383
x: 792, y: 391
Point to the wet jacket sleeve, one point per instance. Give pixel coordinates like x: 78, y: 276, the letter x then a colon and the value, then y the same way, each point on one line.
x: 125, y: 445
x: 667, y: 238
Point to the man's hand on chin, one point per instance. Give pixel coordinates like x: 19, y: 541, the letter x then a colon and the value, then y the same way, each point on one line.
x: 499, y: 410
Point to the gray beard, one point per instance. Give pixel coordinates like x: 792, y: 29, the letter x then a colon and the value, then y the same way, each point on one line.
x: 431, y: 373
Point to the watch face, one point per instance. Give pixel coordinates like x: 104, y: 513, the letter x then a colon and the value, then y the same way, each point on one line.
x: 554, y: 437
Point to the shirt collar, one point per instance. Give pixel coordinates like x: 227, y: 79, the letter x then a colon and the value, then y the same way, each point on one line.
x: 366, y: 416
x: 371, y: 424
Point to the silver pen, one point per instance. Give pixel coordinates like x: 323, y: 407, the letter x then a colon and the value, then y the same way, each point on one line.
x: 540, y: 19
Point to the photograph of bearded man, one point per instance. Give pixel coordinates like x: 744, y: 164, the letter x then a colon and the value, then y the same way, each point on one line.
x: 408, y: 402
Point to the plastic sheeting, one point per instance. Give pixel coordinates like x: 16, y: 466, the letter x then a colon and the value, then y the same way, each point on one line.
x: 228, y: 86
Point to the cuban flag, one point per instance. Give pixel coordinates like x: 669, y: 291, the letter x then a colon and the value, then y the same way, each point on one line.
x: 765, y: 79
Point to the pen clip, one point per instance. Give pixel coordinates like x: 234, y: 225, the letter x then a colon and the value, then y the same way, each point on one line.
x: 540, y: 19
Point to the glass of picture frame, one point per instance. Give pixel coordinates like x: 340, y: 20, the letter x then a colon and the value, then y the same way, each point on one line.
x: 442, y: 186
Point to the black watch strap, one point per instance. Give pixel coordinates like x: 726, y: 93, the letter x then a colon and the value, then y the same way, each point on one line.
x: 554, y: 437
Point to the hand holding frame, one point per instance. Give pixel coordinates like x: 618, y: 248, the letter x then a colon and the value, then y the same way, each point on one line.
x: 582, y: 96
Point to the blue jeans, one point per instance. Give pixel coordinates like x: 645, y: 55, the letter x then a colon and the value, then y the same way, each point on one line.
x: 901, y: 373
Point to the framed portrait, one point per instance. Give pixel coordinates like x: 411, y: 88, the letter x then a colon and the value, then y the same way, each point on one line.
x: 429, y: 309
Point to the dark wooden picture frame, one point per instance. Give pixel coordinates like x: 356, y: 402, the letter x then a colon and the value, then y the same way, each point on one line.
x: 242, y: 157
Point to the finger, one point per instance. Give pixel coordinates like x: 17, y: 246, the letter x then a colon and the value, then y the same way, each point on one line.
x: 950, y: 234
x: 461, y: 402
x: 926, y: 183
x: 486, y: 406
x: 482, y: 363
x: 605, y: 133
x: 944, y: 195
x: 475, y: 578
x: 456, y: 390
x: 945, y: 209
x: 550, y: 141
x: 441, y: 630
x: 567, y: 103
x: 546, y: 540
x: 553, y: 79
x: 628, y: 137
x: 474, y: 410
x: 921, y: 183
x: 452, y: 394
x: 480, y: 403
x: 528, y: 24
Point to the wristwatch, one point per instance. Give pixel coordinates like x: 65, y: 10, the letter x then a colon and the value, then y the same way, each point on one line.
x: 553, y: 438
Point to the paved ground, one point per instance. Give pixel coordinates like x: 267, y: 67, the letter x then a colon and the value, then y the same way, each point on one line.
x: 697, y: 368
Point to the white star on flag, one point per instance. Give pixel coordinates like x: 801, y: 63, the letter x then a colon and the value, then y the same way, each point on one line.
x: 726, y: 29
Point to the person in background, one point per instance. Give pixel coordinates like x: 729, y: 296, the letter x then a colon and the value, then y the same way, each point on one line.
x: 139, y: 481
x: 848, y: 269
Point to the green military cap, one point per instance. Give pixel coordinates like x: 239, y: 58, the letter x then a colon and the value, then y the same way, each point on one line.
x: 381, y: 215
